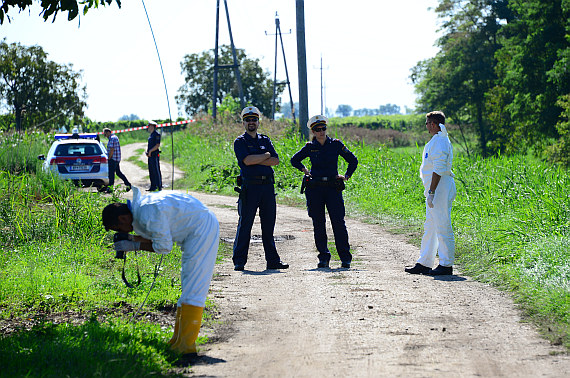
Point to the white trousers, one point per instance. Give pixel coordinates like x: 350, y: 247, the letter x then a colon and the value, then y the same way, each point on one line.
x: 438, y: 233
x: 199, y: 252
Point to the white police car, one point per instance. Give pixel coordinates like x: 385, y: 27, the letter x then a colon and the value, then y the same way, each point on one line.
x: 79, y: 157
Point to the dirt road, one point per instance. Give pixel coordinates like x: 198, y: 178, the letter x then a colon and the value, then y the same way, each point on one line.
x: 372, y: 320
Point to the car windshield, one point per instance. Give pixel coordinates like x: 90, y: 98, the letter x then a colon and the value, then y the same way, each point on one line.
x: 78, y: 149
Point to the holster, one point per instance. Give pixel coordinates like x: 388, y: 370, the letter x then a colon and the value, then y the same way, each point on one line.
x: 304, y: 183
x: 239, y: 183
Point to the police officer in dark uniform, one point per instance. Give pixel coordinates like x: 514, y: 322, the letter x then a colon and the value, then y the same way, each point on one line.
x: 153, y: 154
x: 324, y: 188
x: 255, y: 155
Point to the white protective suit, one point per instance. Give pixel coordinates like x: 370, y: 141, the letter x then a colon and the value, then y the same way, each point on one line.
x: 167, y: 217
x: 438, y: 233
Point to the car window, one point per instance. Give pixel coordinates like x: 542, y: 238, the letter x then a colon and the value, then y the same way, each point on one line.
x: 78, y: 149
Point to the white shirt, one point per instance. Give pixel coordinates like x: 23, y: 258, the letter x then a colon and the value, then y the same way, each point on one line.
x: 437, y: 157
x: 166, y: 217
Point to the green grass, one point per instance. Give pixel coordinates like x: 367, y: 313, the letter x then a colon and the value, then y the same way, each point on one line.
x: 511, y: 216
x: 58, y: 263
x: 109, y: 349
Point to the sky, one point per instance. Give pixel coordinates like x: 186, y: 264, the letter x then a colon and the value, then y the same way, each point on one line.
x: 367, y: 48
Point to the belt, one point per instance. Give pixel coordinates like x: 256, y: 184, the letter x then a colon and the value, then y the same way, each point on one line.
x: 259, y: 180
x: 325, y: 178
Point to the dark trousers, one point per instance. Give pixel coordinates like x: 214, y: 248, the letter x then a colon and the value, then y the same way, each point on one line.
x: 114, y: 168
x: 251, y: 198
x: 154, y: 173
x: 318, y: 198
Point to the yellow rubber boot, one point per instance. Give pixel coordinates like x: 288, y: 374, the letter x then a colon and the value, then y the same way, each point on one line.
x: 176, y: 327
x: 188, y: 329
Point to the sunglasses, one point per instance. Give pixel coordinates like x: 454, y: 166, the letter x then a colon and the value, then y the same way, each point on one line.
x: 319, y: 129
x: 250, y: 119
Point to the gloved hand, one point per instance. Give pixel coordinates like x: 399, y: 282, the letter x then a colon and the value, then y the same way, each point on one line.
x: 127, y: 245
x: 430, y: 200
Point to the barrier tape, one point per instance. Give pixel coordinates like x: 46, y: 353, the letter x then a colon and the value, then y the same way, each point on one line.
x: 145, y: 127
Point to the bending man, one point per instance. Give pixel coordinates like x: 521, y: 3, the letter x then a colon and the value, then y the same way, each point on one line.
x: 159, y: 219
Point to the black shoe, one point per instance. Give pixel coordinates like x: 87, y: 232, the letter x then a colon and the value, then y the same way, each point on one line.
x: 128, y: 188
x: 441, y: 271
x: 323, y: 264
x: 277, y: 265
x: 238, y: 267
x: 418, y: 269
x: 345, y: 265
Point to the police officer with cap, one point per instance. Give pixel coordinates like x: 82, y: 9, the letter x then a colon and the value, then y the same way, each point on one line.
x: 255, y: 155
x: 324, y: 188
x: 153, y: 154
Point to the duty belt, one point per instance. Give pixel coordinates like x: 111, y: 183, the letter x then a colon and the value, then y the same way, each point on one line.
x: 259, y: 180
x: 326, y: 181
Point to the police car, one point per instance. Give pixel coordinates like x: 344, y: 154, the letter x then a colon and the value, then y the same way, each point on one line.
x: 79, y: 157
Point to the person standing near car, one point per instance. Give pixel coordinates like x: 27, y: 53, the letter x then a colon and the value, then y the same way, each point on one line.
x: 153, y: 154
x: 159, y: 220
x: 440, y: 191
x: 114, y: 158
x: 324, y: 188
x: 255, y: 156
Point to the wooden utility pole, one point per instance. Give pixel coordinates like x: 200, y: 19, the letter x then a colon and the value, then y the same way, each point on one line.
x: 217, y: 66
x: 302, y: 68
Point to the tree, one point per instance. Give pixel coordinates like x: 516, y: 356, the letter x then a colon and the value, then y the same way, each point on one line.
x: 38, y: 91
x: 343, y: 110
x: 533, y: 71
x: 389, y: 109
x: 458, y: 77
x: 286, y: 109
x: 196, y: 94
x: 52, y: 7
x: 132, y: 117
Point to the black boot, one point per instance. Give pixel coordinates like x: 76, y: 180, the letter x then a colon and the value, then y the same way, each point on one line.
x: 418, y: 269
x: 441, y: 271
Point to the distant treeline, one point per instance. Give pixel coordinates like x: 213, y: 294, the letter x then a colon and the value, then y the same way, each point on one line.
x: 396, y: 122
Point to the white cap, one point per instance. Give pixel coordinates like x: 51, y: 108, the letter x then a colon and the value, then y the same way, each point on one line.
x: 250, y: 111
x: 317, y: 120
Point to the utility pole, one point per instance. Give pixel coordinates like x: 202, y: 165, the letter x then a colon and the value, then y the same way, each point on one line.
x: 217, y: 66
x: 278, y: 33
x: 302, y: 68
x: 322, y: 88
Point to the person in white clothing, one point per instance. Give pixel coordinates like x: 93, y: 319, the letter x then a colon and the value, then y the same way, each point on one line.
x: 440, y: 191
x: 160, y: 219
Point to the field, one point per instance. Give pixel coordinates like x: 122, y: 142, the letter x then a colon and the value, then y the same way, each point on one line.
x: 511, y: 218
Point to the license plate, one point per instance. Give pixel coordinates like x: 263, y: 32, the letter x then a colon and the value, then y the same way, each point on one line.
x: 79, y: 168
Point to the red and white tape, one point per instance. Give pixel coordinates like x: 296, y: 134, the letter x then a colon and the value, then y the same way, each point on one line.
x: 145, y: 127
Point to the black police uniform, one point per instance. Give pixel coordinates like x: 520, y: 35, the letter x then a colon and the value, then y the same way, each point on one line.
x: 154, y: 162
x: 257, y: 191
x: 323, y: 190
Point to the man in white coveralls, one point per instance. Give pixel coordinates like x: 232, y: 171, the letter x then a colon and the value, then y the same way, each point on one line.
x: 439, y: 190
x: 159, y: 219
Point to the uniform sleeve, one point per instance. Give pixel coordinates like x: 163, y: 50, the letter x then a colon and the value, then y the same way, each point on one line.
x: 271, y: 149
x: 156, y: 224
x: 350, y: 159
x: 240, y: 149
x: 299, y: 156
x: 157, y: 138
x: 440, y: 155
